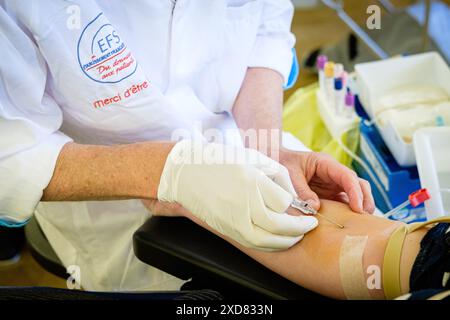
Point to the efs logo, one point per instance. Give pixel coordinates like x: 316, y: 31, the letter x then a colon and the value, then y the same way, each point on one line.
x: 108, y: 41
x: 102, y: 55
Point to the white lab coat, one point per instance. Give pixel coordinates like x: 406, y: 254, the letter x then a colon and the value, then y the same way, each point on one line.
x: 109, y: 72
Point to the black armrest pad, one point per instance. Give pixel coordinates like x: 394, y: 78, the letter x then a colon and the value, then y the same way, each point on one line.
x: 41, y: 249
x: 184, y: 249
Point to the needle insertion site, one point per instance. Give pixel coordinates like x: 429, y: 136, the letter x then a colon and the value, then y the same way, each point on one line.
x: 306, y: 208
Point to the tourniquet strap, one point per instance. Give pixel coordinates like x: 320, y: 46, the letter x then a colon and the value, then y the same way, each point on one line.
x: 391, y: 263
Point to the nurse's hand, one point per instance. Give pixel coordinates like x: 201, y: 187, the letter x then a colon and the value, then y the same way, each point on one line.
x: 238, y: 192
x: 317, y: 175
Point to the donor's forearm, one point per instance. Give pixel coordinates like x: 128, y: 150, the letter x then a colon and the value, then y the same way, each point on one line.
x: 314, y: 262
x: 92, y: 172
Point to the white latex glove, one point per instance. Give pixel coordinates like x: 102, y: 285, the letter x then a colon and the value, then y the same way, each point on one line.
x: 239, y: 192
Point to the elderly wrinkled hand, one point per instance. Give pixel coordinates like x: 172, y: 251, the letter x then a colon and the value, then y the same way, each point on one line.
x: 316, y: 175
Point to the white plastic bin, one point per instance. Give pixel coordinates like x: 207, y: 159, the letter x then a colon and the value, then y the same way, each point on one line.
x: 432, y: 149
x: 374, y: 79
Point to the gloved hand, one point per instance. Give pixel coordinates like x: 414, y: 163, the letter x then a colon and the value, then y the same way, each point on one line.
x: 239, y: 192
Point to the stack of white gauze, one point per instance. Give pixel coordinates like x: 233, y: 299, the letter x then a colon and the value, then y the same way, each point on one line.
x: 408, y: 108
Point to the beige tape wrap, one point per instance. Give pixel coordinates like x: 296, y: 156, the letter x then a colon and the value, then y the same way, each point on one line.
x: 351, y: 268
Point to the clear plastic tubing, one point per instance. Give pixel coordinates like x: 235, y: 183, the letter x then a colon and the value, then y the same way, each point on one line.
x: 321, y: 61
x: 339, y: 96
x: 329, y: 82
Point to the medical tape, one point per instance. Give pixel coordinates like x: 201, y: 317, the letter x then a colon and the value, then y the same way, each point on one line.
x: 351, y: 268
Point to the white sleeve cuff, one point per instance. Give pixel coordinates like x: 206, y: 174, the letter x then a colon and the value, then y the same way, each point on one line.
x: 24, y: 176
x: 273, y: 53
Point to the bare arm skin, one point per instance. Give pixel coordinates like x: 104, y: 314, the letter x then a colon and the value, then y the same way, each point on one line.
x: 259, y: 106
x: 313, y: 263
x: 91, y: 172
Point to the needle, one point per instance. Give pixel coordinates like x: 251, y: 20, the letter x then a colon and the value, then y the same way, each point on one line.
x: 330, y: 220
x: 305, y: 207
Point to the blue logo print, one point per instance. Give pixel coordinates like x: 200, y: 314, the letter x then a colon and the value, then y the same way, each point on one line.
x: 102, y: 55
